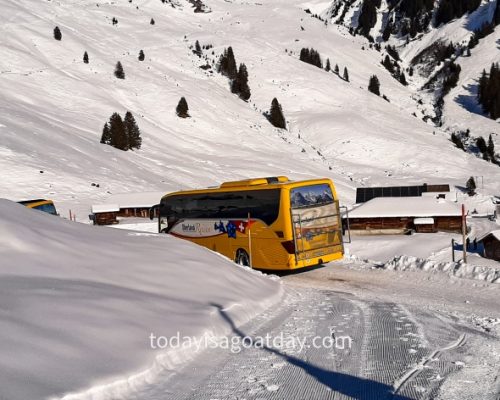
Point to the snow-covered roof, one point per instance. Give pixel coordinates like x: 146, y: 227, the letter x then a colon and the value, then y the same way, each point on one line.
x: 423, y: 221
x: 136, y: 200
x: 405, y: 207
x: 495, y: 234
x: 102, y: 208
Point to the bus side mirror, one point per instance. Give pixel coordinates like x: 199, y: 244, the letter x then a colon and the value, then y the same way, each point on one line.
x: 152, y: 211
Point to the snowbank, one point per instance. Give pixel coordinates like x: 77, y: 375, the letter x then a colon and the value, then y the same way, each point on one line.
x: 78, y: 304
x: 486, y: 273
x: 457, y: 269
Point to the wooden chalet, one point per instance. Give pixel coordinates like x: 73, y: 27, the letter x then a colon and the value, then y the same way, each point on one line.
x: 365, y: 194
x: 397, y: 215
x: 126, y: 205
x: 105, y: 214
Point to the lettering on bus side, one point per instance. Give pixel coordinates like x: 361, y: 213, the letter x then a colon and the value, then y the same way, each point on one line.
x: 208, y: 228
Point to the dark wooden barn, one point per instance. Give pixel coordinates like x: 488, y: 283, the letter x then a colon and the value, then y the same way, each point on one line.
x: 105, y: 214
x: 491, y: 245
x: 401, y: 215
x: 125, y: 205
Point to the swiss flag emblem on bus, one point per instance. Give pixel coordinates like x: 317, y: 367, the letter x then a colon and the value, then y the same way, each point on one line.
x: 242, y: 225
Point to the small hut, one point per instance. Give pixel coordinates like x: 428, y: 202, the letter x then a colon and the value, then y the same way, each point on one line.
x: 126, y: 205
x: 105, y: 214
x: 491, y: 245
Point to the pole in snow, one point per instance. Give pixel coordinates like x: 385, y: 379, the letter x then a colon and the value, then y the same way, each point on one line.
x: 453, y: 250
x: 464, y: 233
x: 249, y: 242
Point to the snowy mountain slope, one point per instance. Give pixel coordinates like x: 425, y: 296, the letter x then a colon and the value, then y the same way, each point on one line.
x: 76, y: 313
x: 461, y: 111
x: 53, y: 106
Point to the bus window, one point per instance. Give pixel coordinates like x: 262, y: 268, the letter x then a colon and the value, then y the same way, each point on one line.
x: 307, y: 196
x: 261, y: 204
x: 48, y: 208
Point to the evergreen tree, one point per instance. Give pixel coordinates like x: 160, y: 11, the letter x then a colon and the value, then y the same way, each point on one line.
x: 197, y: 49
x: 374, y: 85
x: 368, y: 16
x: 85, y: 58
x: 471, y: 186
x: 387, y: 32
x: 387, y: 63
x: 57, y: 33
x: 275, y: 115
x: 118, y: 134
x: 489, y: 89
x: 106, y: 134
x: 346, y: 74
x: 481, y: 145
x: 182, y: 109
x: 239, y: 85
x: 457, y: 141
x: 119, y: 72
x: 227, y: 64
x: 491, y: 148
x: 327, y: 66
x: 402, y: 79
x: 311, y: 56
x: 141, y: 56
x: 132, y: 131
x: 152, y: 22
x: 336, y: 69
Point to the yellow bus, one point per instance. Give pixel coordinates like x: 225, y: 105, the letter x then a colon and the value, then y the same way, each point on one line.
x: 41, y: 205
x: 266, y: 223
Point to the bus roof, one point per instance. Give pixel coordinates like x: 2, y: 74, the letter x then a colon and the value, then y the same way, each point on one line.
x: 253, y: 184
x: 31, y: 202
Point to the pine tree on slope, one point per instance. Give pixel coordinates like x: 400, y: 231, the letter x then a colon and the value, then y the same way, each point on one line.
x: 276, y: 117
x: 119, y: 72
x: 182, y: 109
x: 132, y: 131
x: 118, y: 133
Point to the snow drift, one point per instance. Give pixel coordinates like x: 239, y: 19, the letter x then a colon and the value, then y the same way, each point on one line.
x: 78, y: 303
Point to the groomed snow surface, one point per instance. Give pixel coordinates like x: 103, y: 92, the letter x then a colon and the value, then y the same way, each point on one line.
x: 78, y: 304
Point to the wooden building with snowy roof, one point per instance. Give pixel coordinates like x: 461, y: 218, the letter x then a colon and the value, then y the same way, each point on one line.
x: 397, y: 215
x: 491, y: 245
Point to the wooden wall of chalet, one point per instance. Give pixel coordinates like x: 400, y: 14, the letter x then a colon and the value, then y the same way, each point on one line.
x: 105, y: 218
x: 141, y: 212
x: 438, y: 188
x: 445, y: 224
x: 491, y: 248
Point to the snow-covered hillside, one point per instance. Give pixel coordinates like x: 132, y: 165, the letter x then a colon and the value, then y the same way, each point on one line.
x: 53, y: 106
x: 461, y: 110
x: 78, y: 304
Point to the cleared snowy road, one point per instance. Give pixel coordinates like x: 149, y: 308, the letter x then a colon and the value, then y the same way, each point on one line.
x: 397, y: 351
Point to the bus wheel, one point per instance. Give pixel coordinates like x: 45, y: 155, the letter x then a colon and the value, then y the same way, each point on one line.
x: 242, y: 258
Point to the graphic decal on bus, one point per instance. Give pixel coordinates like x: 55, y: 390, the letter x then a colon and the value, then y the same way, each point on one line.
x: 206, y: 228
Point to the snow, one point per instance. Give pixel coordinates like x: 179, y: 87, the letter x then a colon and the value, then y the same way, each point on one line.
x: 423, y: 221
x: 78, y: 304
x: 137, y: 200
x: 53, y: 106
x: 101, y: 208
x: 405, y: 207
